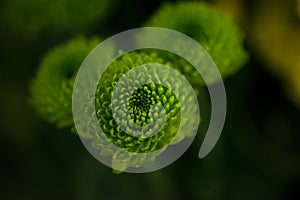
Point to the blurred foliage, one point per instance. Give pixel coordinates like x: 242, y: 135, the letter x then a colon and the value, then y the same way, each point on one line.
x: 274, y: 36
x: 257, y: 156
x: 36, y: 17
x: 277, y: 41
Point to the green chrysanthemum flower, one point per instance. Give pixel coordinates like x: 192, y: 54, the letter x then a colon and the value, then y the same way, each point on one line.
x: 120, y: 129
x: 51, y: 90
x: 139, y: 104
x: 213, y: 29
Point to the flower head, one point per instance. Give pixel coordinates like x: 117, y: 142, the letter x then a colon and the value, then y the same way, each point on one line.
x: 214, y: 30
x: 51, y: 90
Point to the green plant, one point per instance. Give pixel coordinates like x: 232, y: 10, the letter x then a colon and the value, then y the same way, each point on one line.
x: 51, y: 90
x: 140, y: 102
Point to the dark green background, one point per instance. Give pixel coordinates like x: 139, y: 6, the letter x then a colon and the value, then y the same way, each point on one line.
x: 257, y: 156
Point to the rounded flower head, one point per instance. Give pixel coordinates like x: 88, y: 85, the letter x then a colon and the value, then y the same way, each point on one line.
x: 214, y: 30
x: 139, y: 104
x: 152, y: 106
x: 51, y: 90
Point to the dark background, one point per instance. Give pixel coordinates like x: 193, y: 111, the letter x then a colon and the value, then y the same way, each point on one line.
x: 257, y: 156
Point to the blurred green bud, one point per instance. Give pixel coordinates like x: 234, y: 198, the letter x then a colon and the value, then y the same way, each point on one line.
x: 51, y: 90
x: 214, y: 30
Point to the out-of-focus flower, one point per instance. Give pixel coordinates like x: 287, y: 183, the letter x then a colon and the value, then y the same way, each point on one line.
x: 212, y: 28
x: 51, y: 90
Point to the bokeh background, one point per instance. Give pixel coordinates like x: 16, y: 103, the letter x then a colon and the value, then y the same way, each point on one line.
x: 257, y: 156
